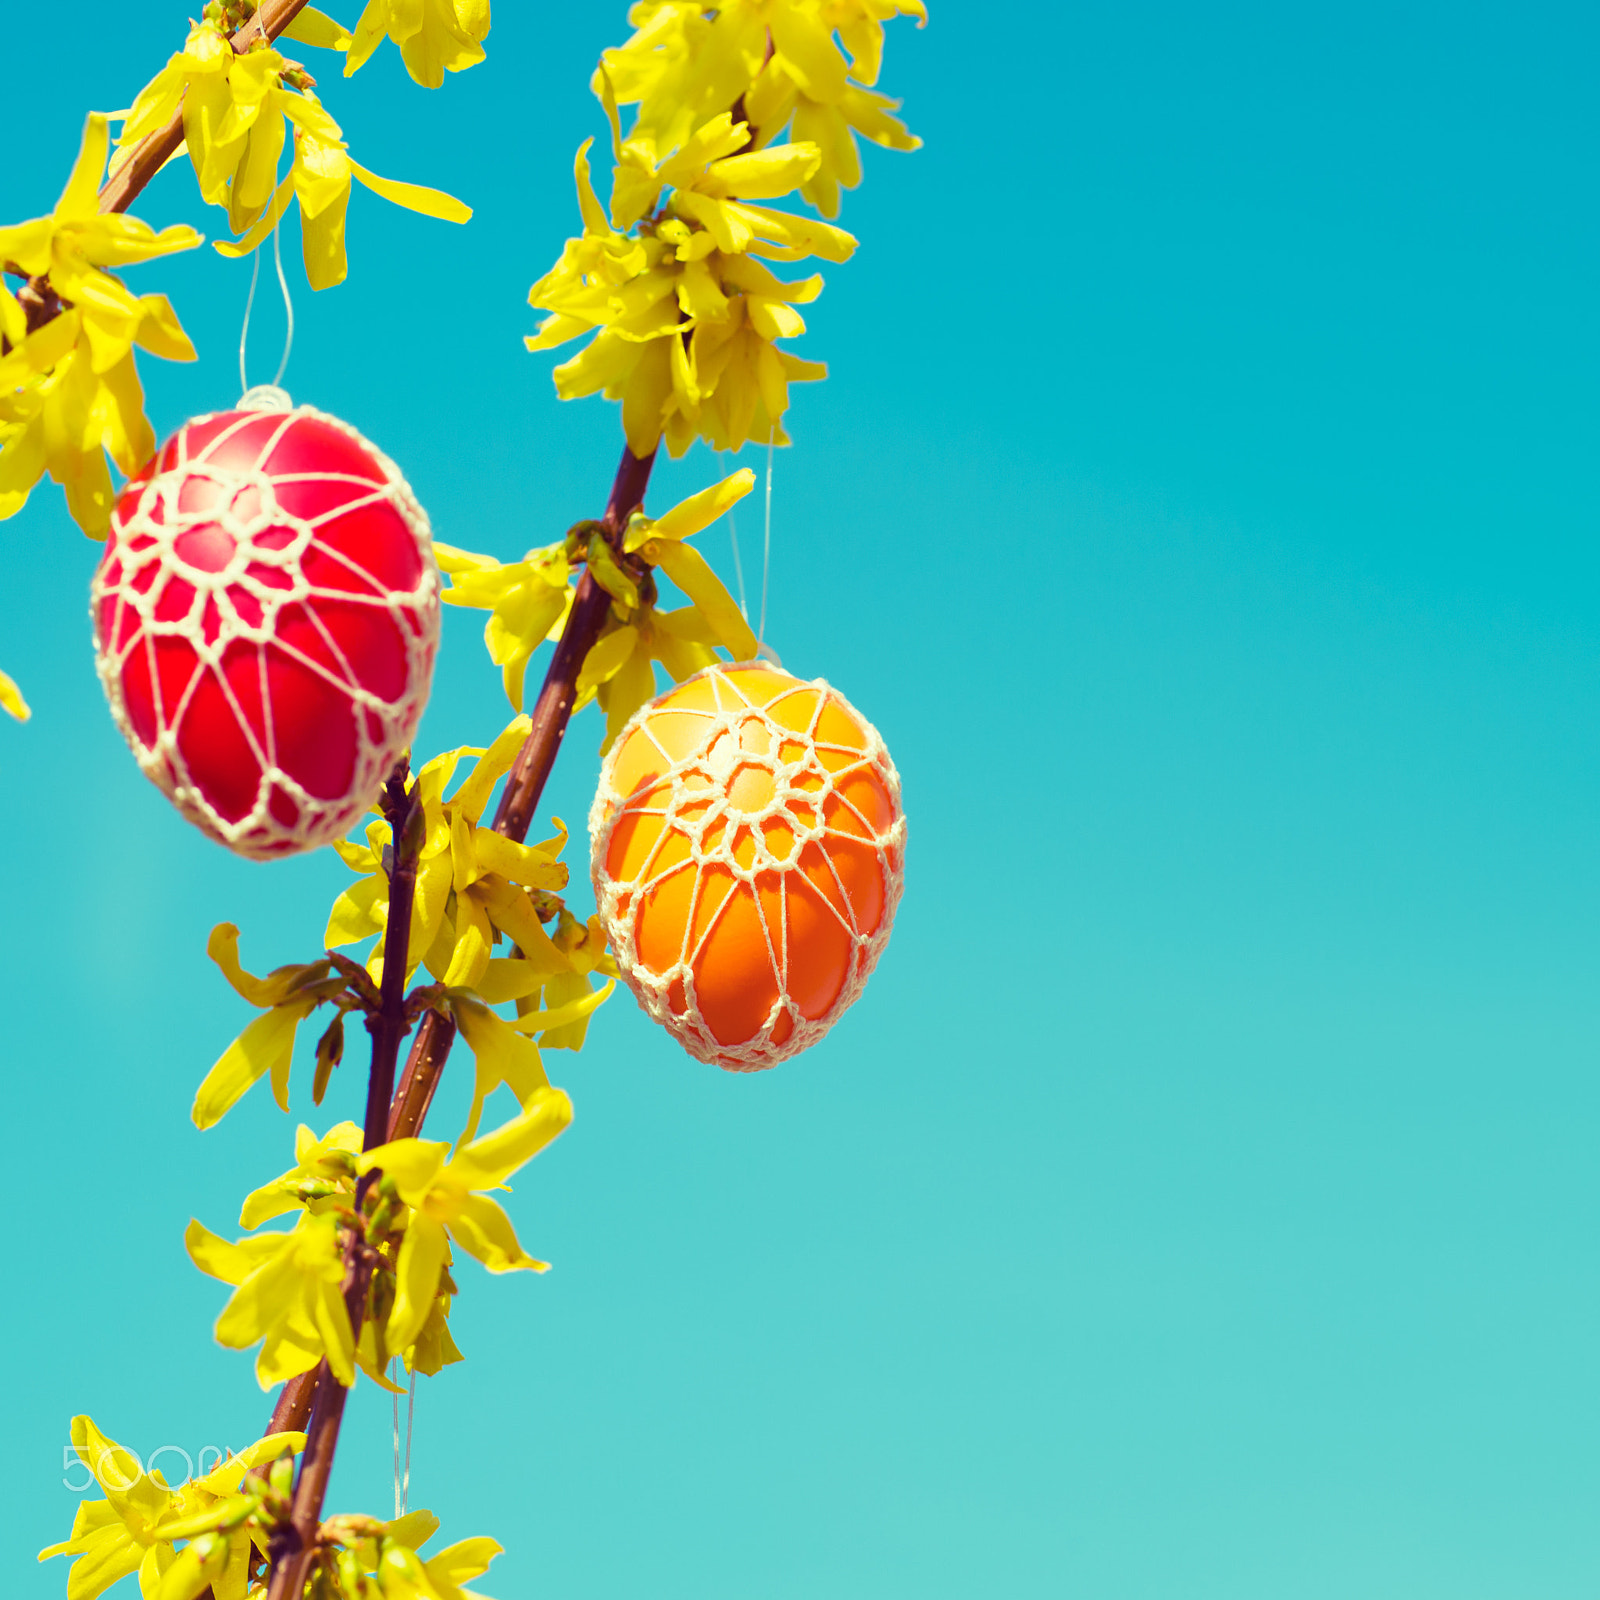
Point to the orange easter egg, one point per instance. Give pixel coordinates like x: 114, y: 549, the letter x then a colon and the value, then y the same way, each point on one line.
x: 748, y: 851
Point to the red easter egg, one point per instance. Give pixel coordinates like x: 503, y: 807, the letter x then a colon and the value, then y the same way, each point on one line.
x: 266, y: 617
x: 748, y: 852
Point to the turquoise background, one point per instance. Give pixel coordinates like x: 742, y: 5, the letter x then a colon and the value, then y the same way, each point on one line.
x: 1202, y: 1200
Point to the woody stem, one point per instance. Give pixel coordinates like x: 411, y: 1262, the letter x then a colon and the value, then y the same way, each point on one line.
x: 294, y: 1545
x: 156, y: 149
x: 39, y: 301
x: 388, y: 1025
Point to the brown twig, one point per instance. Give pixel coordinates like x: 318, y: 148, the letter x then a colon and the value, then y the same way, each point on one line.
x: 403, y: 810
x: 324, y: 1396
x: 153, y: 152
x: 293, y: 1410
x: 156, y: 149
x: 421, y: 1077
x: 294, y: 1545
x: 40, y: 303
x: 526, y: 780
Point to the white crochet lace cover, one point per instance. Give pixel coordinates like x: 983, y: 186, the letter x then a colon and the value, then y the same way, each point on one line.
x: 267, y: 578
x: 701, y: 827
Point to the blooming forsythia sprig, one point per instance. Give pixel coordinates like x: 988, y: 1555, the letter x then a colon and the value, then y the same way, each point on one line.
x: 526, y: 598
x: 448, y: 1200
x: 737, y: 103
x: 238, y: 110
x: 322, y: 1183
x: 434, y: 36
x: 211, y: 1532
x: 474, y: 889
x: 138, y: 1526
x: 69, y: 389
x: 685, y: 317
x: 288, y: 1295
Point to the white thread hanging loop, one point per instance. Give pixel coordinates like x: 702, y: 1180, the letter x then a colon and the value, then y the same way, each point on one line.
x: 764, y: 651
x: 265, y: 397
x: 402, y: 1473
x: 733, y: 539
x: 244, y: 331
x: 411, y: 1413
x: 766, y: 544
x: 394, y: 1399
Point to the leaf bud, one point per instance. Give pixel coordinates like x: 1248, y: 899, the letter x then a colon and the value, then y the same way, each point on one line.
x: 281, y: 1477
x: 330, y: 1052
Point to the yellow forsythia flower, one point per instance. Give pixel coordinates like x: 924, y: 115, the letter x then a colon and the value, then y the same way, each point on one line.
x: 831, y: 123
x: 434, y: 36
x: 473, y: 888
x: 136, y: 1526
x: 527, y: 601
x: 324, y: 1171
x: 380, y: 1559
x: 11, y: 698
x: 286, y: 997
x: 237, y: 113
x: 402, y: 1575
x: 286, y: 1296
x: 685, y: 320
x: 448, y: 1202
x: 69, y: 389
x: 780, y: 56
x: 449, y: 931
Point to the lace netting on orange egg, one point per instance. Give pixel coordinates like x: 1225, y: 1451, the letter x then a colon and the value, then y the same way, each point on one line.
x: 266, y: 617
x: 748, y: 852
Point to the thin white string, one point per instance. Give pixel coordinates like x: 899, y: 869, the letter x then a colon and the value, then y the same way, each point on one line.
x: 249, y: 305
x: 394, y: 1400
x: 733, y: 536
x: 411, y: 1411
x: 288, y: 304
x: 402, y: 1476
x: 249, y: 302
x: 766, y: 545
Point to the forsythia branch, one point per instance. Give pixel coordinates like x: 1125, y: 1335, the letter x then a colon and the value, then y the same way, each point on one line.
x: 156, y: 150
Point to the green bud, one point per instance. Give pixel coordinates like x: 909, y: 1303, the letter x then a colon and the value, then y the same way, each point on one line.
x: 330, y: 1052
x: 610, y: 576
